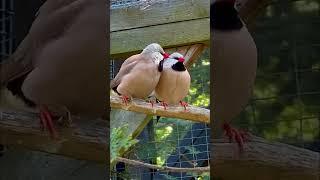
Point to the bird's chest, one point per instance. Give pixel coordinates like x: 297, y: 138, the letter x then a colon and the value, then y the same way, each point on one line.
x: 172, y: 87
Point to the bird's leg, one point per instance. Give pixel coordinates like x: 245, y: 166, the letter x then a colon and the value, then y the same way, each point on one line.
x: 151, y: 100
x: 164, y: 104
x: 237, y: 135
x: 125, y: 99
x: 184, y: 104
x: 46, y: 121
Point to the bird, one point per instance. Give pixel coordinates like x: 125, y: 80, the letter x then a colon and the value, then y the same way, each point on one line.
x: 140, y: 73
x: 234, y: 69
x: 174, y: 82
x: 59, y: 67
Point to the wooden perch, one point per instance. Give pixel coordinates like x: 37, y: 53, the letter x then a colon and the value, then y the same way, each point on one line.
x: 136, y: 105
x: 85, y: 139
x: 264, y: 160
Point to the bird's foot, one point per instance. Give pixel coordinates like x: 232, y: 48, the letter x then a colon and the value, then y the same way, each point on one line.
x: 184, y: 104
x: 125, y: 99
x: 65, y: 120
x: 164, y: 104
x: 46, y: 121
x: 151, y: 102
x: 239, y: 136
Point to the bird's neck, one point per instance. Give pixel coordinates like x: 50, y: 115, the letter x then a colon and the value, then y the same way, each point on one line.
x: 179, y: 66
x: 224, y: 16
x: 156, y: 57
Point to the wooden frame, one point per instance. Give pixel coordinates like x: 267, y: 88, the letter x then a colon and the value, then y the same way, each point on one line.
x: 164, y: 23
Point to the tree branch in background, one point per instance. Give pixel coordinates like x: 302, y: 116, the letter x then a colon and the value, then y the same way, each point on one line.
x: 163, y: 168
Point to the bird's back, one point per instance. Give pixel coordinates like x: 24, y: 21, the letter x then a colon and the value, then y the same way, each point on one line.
x: 70, y: 69
x: 141, y: 80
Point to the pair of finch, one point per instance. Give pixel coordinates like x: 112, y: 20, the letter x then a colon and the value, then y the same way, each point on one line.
x: 153, y: 73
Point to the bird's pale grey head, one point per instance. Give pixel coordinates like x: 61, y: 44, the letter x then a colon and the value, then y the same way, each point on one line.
x: 173, y: 59
x: 152, y: 48
x: 176, y: 56
x: 156, y: 52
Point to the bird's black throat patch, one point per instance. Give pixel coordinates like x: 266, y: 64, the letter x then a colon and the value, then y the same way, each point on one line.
x: 160, y: 67
x: 223, y: 16
x: 179, y: 66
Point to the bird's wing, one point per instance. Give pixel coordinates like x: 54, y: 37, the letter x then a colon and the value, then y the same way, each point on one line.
x: 125, y: 68
x: 51, y: 21
x: 17, y: 65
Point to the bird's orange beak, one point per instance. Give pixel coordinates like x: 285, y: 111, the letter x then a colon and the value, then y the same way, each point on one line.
x: 181, y: 59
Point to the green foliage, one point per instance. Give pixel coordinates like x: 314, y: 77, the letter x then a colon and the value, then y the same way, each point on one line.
x: 199, y: 93
x: 167, y: 133
x: 120, y: 141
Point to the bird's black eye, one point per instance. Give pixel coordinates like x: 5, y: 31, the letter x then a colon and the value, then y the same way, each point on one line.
x: 176, y: 58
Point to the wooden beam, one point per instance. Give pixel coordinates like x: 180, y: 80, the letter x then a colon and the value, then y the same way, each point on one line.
x: 125, y: 43
x: 136, y: 121
x: 163, y: 12
x: 263, y: 160
x: 85, y: 140
x: 193, y: 113
x: 193, y: 54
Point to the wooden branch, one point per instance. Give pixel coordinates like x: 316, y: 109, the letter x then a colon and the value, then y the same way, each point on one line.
x: 163, y: 168
x: 263, y: 160
x: 85, y: 139
x: 136, y: 105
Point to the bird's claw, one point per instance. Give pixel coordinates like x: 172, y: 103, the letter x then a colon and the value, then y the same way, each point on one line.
x: 184, y: 104
x: 239, y: 136
x: 66, y: 120
x: 164, y: 104
x: 46, y: 121
x: 125, y: 99
x: 151, y: 102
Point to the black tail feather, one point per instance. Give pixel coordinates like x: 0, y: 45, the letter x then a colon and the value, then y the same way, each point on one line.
x: 115, y: 90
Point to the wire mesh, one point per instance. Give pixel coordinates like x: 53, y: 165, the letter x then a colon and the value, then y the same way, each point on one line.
x: 6, y: 21
x: 117, y: 4
x: 286, y: 102
x: 173, y: 142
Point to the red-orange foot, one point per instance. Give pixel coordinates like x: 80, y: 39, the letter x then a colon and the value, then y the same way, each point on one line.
x: 164, y: 104
x: 46, y: 121
x: 237, y: 135
x: 184, y: 104
x: 125, y: 99
x: 151, y: 102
